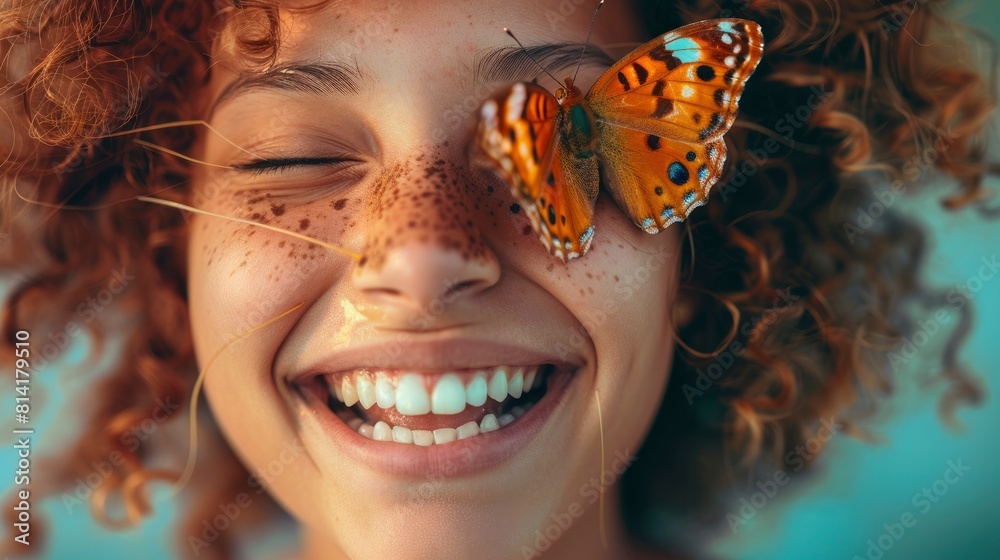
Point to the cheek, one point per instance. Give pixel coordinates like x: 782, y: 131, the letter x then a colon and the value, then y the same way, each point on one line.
x: 622, y: 290
x: 623, y: 298
x: 242, y: 275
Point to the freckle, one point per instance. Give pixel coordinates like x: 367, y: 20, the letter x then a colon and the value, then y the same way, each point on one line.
x: 281, y: 244
x: 303, y: 223
x: 256, y: 216
x: 550, y: 267
x: 277, y: 209
x: 244, y: 263
x: 526, y: 230
x: 339, y: 205
x: 616, y: 277
x: 255, y: 200
x: 590, y: 290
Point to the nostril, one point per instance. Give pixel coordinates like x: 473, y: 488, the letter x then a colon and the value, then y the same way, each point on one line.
x: 421, y: 275
x: 375, y: 292
x: 460, y: 287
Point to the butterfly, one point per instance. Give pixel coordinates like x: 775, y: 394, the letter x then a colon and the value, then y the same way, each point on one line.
x: 651, y: 127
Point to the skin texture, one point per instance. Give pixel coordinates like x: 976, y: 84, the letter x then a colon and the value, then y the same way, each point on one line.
x: 422, y: 221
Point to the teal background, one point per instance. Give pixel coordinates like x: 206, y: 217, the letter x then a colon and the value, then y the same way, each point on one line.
x: 856, y: 488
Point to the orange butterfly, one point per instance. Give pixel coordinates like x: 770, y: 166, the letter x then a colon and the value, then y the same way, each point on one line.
x: 655, y: 121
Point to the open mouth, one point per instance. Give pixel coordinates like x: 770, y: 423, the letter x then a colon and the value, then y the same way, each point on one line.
x: 431, y: 408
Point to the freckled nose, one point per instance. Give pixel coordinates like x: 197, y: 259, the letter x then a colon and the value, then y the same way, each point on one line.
x: 424, y: 248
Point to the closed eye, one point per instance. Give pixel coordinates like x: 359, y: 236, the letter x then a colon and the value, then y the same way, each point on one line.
x: 261, y: 166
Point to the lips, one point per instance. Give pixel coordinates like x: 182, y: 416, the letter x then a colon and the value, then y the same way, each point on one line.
x: 410, y: 419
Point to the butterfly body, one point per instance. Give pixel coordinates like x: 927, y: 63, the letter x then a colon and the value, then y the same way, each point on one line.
x: 655, y: 120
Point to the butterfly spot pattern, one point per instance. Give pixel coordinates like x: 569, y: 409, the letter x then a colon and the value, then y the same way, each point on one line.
x: 650, y: 130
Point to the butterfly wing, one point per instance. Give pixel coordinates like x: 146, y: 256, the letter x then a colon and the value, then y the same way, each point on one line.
x: 520, y: 132
x: 661, y: 112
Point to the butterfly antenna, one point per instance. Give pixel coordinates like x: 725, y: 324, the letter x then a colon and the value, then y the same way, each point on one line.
x: 593, y: 18
x: 526, y: 52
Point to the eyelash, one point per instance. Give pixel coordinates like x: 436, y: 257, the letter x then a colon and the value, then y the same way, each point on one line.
x: 262, y: 166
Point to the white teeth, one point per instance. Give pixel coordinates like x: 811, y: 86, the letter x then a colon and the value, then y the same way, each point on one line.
x: 411, y: 395
x: 475, y: 393
x: 449, y: 395
x: 423, y: 438
x: 350, y: 395
x: 382, y: 431
x: 529, y: 378
x: 402, y: 435
x: 468, y: 429
x: 516, y: 384
x: 445, y: 435
x: 366, y: 392
x: 498, y: 385
x: 366, y: 430
x: 385, y: 394
x: 488, y: 424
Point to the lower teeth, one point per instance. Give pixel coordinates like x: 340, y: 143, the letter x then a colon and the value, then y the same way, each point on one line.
x: 382, y: 431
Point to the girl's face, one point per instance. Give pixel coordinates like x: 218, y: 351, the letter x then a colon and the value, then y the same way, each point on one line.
x: 453, y: 296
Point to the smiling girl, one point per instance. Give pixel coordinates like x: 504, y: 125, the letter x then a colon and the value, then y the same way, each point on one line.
x: 388, y: 350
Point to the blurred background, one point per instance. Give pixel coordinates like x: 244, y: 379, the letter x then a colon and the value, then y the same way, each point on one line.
x: 944, y: 484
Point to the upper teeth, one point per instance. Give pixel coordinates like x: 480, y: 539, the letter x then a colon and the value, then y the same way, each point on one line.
x: 448, y: 395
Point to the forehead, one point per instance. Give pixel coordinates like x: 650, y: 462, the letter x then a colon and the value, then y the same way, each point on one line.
x: 441, y: 34
x: 419, y: 50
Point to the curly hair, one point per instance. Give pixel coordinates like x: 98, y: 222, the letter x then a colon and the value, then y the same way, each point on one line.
x: 801, y: 292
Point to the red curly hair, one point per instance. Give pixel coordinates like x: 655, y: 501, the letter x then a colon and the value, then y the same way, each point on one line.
x: 849, y: 101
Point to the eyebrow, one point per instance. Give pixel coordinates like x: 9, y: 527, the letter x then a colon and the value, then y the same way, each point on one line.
x: 501, y: 64
x: 321, y: 78
x: 509, y: 64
